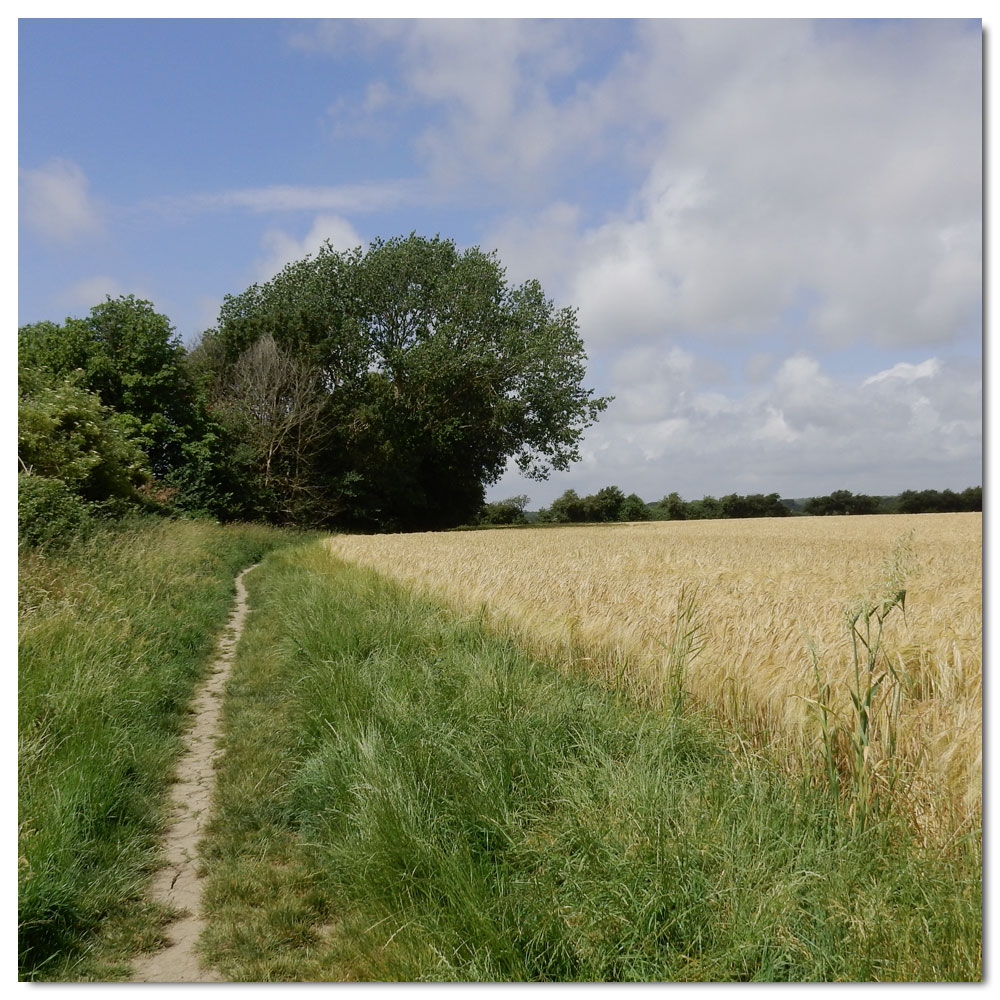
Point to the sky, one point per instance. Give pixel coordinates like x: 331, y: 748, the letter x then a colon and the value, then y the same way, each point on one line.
x: 771, y: 229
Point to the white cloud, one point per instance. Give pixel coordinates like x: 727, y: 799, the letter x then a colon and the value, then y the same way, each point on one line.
x: 541, y: 245
x: 839, y: 175
x: 775, y: 427
x: 56, y: 203
x: 280, y: 248
x: 906, y: 372
x: 778, y: 160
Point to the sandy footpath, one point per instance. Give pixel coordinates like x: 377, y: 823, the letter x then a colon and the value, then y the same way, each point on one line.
x: 178, y: 883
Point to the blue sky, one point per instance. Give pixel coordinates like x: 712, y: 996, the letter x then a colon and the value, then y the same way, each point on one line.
x: 772, y: 229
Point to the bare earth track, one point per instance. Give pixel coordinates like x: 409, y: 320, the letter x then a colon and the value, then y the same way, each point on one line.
x: 178, y: 883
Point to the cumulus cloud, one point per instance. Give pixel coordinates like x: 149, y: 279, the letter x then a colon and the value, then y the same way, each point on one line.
x: 281, y: 248
x: 804, y: 425
x: 780, y: 160
x: 799, y: 432
x: 55, y: 202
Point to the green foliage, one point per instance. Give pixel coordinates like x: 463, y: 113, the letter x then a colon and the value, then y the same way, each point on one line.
x: 706, y: 509
x: 862, y: 743
x: 49, y: 513
x: 907, y: 502
x: 565, y: 509
x: 509, y: 511
x: 673, y: 508
x: 670, y: 508
x: 842, y: 502
x: 939, y: 501
x: 635, y: 509
x: 65, y: 433
x: 436, y: 372
x: 754, y: 505
x: 128, y: 354
x: 606, y: 505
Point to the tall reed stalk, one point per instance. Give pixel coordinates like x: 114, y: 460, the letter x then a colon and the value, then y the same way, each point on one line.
x: 860, y: 743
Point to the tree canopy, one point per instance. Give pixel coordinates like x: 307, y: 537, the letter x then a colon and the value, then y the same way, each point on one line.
x: 606, y: 505
x: 129, y: 355
x: 129, y: 358
x: 423, y: 372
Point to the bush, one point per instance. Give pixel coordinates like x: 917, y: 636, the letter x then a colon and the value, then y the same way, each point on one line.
x: 65, y: 432
x: 48, y: 511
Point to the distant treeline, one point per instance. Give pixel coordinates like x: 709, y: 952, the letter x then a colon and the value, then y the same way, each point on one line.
x: 907, y: 502
x: 611, y: 504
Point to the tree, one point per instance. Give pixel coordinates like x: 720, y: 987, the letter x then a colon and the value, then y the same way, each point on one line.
x: 635, y: 509
x: 670, y: 508
x: 753, y: 505
x: 607, y: 504
x: 129, y: 355
x: 842, y: 502
x: 436, y: 373
x: 708, y: 508
x: 274, y: 404
x: 862, y: 503
x: 971, y: 498
x: 567, y: 508
x: 509, y: 511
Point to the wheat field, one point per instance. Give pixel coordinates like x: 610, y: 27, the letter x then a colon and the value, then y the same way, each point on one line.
x: 762, y: 604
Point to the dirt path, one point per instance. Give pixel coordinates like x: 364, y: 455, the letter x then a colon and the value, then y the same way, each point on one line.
x: 178, y: 884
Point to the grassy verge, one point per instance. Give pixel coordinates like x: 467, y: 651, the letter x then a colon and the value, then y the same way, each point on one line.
x: 406, y: 797
x: 114, y: 633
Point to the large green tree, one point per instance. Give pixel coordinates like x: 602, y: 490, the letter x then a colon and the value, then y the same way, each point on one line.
x: 127, y: 353
x: 435, y: 373
x: 130, y: 357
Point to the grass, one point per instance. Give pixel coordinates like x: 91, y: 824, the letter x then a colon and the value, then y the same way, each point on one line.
x: 114, y: 634
x: 601, y: 596
x: 407, y: 796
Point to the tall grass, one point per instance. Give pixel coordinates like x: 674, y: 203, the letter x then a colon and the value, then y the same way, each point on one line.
x: 406, y: 796
x: 765, y: 589
x: 114, y: 633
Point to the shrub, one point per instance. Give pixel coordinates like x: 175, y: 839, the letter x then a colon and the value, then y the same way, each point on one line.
x: 48, y: 511
x: 64, y: 432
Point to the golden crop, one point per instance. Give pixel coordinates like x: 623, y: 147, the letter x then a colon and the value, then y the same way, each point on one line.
x: 607, y: 597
